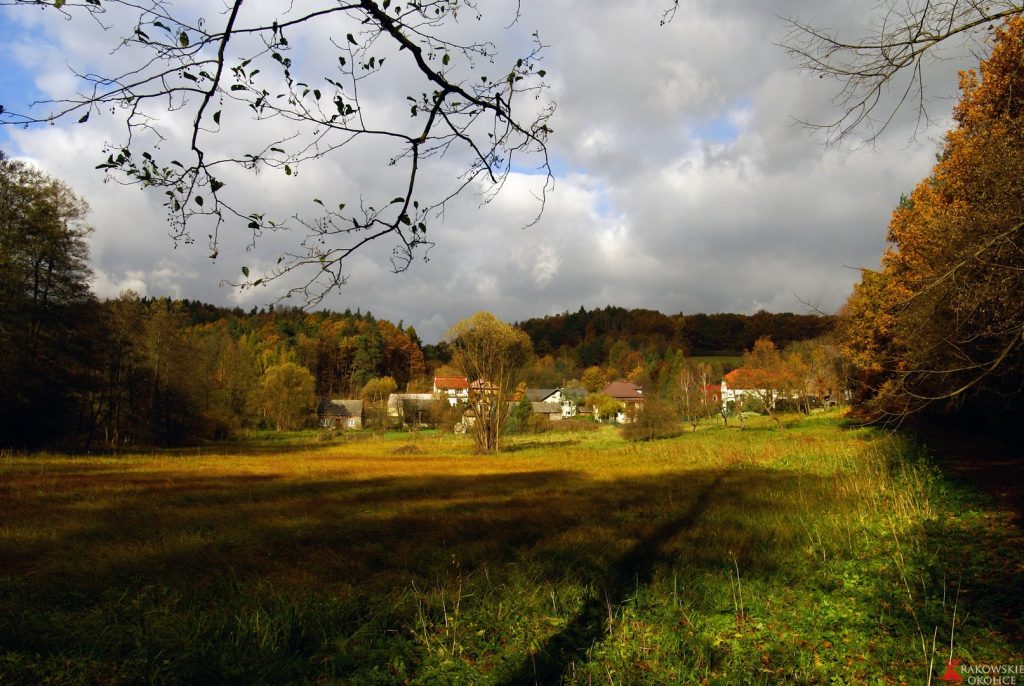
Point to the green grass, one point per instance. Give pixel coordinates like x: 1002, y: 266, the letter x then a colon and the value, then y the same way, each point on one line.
x: 823, y: 554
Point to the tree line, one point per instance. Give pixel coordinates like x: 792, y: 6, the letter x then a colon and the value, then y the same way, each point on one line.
x: 88, y: 373
x: 588, y: 335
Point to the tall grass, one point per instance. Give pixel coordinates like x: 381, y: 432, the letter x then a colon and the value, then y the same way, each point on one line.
x: 812, y: 555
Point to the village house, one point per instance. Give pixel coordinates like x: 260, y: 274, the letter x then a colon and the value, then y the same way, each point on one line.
x: 340, y: 414
x: 756, y: 386
x: 412, y: 408
x: 626, y: 392
x: 548, y: 396
x: 552, y: 395
x: 454, y: 389
x: 735, y: 387
x: 713, y: 394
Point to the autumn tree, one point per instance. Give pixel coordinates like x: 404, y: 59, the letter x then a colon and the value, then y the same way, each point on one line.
x: 287, y: 395
x: 942, y: 322
x: 654, y: 418
x: 817, y: 370
x: 375, y: 394
x: 594, y: 379
x: 48, y: 315
x: 492, y: 355
x: 691, y: 393
x: 472, y: 116
x: 764, y: 376
x: 605, y: 407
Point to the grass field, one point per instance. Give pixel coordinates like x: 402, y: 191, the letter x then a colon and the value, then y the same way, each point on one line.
x: 822, y: 554
x: 725, y: 362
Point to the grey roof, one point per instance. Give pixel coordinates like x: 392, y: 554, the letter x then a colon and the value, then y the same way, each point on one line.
x: 546, y: 408
x: 539, y: 395
x: 340, y: 408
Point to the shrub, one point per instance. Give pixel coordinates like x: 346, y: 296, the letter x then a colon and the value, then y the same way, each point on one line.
x: 575, y: 425
x: 654, y: 419
x: 519, y: 417
x: 537, y: 424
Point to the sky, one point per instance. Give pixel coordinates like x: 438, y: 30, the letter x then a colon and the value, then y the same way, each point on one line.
x: 683, y: 182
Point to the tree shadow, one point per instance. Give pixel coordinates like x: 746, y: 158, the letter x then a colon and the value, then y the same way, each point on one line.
x: 537, y: 444
x: 214, y: 538
x: 631, y: 571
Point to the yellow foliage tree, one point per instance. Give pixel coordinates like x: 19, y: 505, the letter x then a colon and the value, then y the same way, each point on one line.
x: 491, y: 354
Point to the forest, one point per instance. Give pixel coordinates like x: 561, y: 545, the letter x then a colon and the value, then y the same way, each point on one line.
x: 86, y: 373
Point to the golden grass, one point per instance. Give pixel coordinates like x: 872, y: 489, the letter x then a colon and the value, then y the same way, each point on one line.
x: 568, y: 555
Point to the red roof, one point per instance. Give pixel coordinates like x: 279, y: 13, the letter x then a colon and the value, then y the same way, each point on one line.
x: 746, y: 378
x: 451, y: 382
x: 624, y: 390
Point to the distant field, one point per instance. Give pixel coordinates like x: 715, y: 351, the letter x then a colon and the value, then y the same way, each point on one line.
x: 821, y: 555
x: 727, y: 362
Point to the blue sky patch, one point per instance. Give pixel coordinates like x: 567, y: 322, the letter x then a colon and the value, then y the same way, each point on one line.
x: 723, y: 128
x: 17, y: 84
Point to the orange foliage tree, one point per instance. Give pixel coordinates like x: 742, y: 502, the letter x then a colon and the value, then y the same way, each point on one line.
x: 943, y: 320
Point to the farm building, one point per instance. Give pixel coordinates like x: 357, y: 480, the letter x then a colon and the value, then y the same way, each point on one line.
x: 340, y: 414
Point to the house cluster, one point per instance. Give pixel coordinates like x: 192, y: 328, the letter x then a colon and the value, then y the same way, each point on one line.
x: 416, y: 408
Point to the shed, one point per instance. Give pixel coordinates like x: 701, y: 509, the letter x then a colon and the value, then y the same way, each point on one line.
x: 340, y: 414
x: 552, y: 411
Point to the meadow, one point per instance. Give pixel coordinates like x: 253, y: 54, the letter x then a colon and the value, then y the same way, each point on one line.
x: 822, y: 554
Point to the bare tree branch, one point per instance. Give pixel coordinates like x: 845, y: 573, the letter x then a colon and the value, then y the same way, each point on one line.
x: 235, y: 69
x: 884, y: 72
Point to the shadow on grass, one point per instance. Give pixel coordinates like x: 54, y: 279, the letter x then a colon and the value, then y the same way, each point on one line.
x: 201, y: 536
x: 222, y: 542
x: 539, y: 444
x: 632, y: 570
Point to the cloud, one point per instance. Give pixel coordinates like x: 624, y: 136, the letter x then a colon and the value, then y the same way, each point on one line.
x: 684, y: 183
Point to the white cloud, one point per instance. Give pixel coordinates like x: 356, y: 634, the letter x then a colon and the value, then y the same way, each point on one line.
x: 687, y: 185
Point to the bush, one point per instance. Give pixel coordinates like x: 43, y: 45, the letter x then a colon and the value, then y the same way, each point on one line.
x: 519, y: 417
x: 575, y: 425
x: 445, y: 416
x: 537, y: 424
x: 654, y: 419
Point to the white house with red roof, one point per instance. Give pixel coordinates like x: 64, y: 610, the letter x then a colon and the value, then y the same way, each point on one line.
x: 454, y: 389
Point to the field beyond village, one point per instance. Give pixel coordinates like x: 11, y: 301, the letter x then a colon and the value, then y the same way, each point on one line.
x: 822, y: 554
